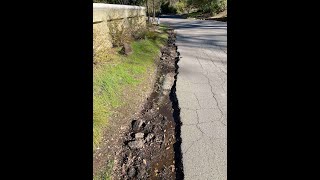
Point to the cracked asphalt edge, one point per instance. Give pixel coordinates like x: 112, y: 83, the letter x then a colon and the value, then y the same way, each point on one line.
x: 178, y: 123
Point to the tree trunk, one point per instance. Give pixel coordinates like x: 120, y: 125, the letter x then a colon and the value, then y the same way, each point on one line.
x: 154, y: 12
x: 148, y: 11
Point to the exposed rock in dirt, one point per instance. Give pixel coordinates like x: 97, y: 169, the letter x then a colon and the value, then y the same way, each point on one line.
x: 150, y: 137
x: 137, y: 124
x: 136, y: 144
x: 139, y: 135
x: 132, y: 172
x: 147, y: 150
x: 126, y: 49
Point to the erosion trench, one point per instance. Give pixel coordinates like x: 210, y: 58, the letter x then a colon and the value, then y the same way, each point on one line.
x: 151, y: 146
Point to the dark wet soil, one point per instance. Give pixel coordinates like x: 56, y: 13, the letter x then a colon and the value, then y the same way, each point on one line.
x: 148, y: 147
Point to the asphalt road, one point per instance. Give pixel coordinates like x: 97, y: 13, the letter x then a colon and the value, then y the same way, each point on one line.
x: 202, y: 95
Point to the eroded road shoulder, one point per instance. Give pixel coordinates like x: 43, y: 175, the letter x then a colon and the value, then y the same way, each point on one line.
x: 150, y: 145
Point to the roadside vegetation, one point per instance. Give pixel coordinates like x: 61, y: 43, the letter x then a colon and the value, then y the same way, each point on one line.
x: 114, y: 72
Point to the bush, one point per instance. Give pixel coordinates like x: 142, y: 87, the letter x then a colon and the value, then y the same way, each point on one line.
x: 125, y: 32
x: 217, y: 6
x: 119, y: 34
x: 181, y: 7
x: 209, y: 6
x: 140, y: 34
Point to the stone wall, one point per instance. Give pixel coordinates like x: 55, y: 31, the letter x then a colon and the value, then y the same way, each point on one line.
x: 106, y: 17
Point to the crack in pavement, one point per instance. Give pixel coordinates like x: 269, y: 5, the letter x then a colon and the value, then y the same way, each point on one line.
x: 192, y: 144
x: 203, y: 51
x: 200, y: 63
x: 202, y: 133
x: 198, y: 126
x: 213, y: 95
x: 205, y: 73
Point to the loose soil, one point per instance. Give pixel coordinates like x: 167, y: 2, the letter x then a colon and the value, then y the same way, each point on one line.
x: 149, y: 144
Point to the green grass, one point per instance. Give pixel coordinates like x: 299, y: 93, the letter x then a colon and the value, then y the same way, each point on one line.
x: 113, y: 76
x: 106, y: 174
x: 163, y: 27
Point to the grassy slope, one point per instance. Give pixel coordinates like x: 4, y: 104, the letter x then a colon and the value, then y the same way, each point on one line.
x: 113, y: 76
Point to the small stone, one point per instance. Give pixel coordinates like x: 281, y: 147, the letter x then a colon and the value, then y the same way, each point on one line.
x: 132, y: 172
x: 136, y: 144
x: 144, y: 161
x: 137, y: 124
x: 139, y: 135
x: 149, y: 137
x: 168, y: 148
x: 172, y: 168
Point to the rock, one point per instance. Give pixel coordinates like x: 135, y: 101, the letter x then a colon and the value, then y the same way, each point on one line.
x: 136, y: 144
x: 148, y: 127
x: 159, y: 138
x: 142, y: 173
x: 168, y: 82
x: 139, y: 135
x: 137, y: 124
x: 172, y: 168
x: 132, y: 172
x: 149, y: 137
x: 126, y: 49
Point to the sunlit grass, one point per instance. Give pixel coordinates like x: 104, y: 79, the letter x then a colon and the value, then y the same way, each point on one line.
x: 111, y: 76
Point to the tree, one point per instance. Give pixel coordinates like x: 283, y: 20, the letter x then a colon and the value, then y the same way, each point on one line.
x: 147, y: 7
x: 154, y: 12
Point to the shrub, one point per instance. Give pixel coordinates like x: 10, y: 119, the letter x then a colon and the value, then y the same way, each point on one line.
x: 181, y: 7
x: 119, y: 33
x: 125, y: 32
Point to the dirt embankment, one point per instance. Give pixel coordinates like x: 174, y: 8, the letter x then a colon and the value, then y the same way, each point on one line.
x: 222, y: 16
x: 149, y: 146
